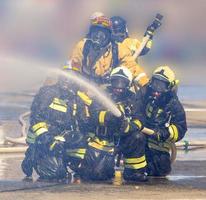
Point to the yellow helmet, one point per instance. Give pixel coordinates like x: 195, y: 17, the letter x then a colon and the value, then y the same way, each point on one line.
x: 166, y: 74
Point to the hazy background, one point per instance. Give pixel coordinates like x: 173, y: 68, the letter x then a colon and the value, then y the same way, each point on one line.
x: 36, y: 34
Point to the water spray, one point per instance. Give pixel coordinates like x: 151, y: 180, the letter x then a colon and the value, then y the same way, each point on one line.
x: 96, y: 91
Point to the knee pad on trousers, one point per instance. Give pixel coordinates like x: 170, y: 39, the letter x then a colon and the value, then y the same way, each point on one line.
x: 50, y: 167
x: 97, y: 165
x: 160, y: 165
x: 133, y: 143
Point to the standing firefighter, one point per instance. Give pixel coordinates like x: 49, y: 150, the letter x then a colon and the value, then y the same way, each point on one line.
x: 94, y: 56
x: 54, y: 129
x: 121, y: 40
x: 160, y: 110
x: 122, y: 132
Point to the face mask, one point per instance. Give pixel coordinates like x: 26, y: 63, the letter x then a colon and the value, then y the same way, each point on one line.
x: 100, y: 38
x: 159, y: 86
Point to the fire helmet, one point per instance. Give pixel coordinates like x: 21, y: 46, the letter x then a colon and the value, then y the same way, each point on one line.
x: 121, y: 77
x: 119, y: 28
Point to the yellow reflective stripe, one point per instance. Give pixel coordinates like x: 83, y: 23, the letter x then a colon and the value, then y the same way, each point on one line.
x: 30, y: 137
x: 59, y: 105
x: 136, y: 166
x: 74, y: 109
x: 157, y: 147
x: 71, y: 68
x: 52, y: 145
x: 127, y: 129
x: 149, y: 44
x: 103, y: 142
x: 102, y: 115
x: 134, y: 160
x: 85, y: 98
x: 41, y: 131
x: 173, y: 133
x: 60, y: 138
x: 40, y: 128
x: 81, y: 151
x: 138, y: 123
x: 77, y: 153
x: 101, y: 147
x: 87, y: 111
x: 121, y: 108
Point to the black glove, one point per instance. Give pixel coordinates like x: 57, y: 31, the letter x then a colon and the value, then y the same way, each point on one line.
x: 160, y: 135
x: 155, y: 25
x: 44, y: 139
x: 110, y: 118
x: 57, y: 145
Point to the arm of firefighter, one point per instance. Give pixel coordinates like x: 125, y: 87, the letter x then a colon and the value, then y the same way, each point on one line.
x: 57, y: 144
x: 129, y: 126
x: 128, y: 61
x: 178, y: 125
x: 147, y: 48
x: 136, y: 45
x: 75, y: 60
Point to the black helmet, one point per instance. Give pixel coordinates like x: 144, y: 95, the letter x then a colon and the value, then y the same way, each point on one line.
x: 119, y: 28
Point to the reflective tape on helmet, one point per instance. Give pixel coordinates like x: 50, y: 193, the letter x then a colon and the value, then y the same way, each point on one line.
x: 173, y: 133
x: 135, y: 163
x: 102, y: 21
x: 85, y: 98
x: 102, y: 115
x: 59, y: 105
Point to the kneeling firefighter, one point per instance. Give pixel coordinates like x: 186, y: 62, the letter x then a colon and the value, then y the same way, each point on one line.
x: 54, y: 128
x: 159, y: 108
x: 111, y: 131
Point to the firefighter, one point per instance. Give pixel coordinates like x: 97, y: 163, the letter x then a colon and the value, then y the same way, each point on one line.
x: 122, y: 132
x: 54, y: 129
x: 120, y: 35
x: 95, y: 57
x: 159, y: 108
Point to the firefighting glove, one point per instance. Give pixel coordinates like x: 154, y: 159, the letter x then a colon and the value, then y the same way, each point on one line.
x: 44, y: 139
x: 152, y: 27
x: 57, y: 145
x: 160, y: 135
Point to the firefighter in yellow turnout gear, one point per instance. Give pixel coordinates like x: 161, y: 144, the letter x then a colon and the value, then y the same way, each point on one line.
x: 114, y: 134
x: 56, y: 134
x: 159, y: 108
x: 95, y: 56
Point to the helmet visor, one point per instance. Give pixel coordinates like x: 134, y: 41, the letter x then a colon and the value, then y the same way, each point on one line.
x: 159, y: 85
x: 119, y: 82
